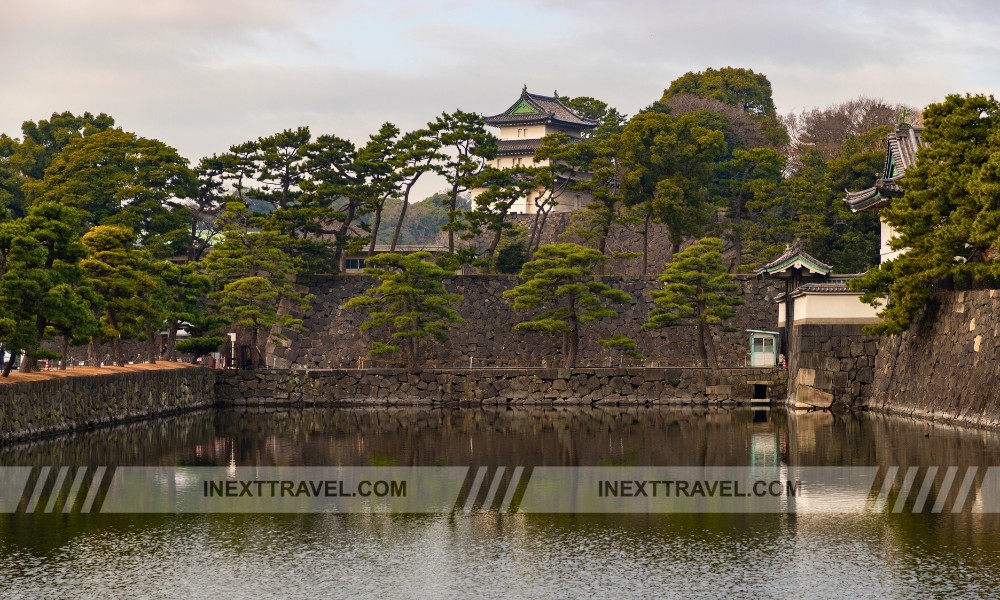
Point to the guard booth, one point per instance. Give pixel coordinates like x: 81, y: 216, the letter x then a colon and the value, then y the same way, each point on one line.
x: 763, y: 348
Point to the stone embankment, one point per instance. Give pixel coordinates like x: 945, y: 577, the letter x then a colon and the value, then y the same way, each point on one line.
x: 40, y: 405
x: 946, y: 367
x: 477, y: 387
x: 331, y: 336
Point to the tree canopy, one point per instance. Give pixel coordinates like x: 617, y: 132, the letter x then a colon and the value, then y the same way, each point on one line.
x: 948, y: 217
x: 561, y: 292
x: 410, y: 304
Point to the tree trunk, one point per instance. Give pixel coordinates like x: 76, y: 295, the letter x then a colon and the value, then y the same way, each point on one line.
x: 531, y: 237
x: 702, y: 344
x: 453, y: 206
x: 119, y: 351
x: 93, y: 353
x: 574, y: 334
x: 402, y: 212
x: 645, y: 244
x: 29, y: 364
x: 376, y: 225
x: 413, y: 362
x: 152, y: 344
x: 171, y: 342
x: 254, y: 354
x: 541, y: 228
x: 65, y: 352
x: 8, y: 365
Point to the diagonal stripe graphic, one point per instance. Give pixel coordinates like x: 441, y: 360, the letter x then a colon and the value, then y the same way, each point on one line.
x: 963, y: 490
x: 904, y: 491
x: 56, y: 488
x: 43, y: 477
x: 883, y: 494
x: 949, y: 478
x: 493, y: 488
x: 95, y: 484
x: 925, y: 489
x: 474, y: 491
x: 74, y: 489
x: 515, y: 480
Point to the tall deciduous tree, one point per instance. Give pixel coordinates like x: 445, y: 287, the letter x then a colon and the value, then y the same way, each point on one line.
x: 697, y: 286
x: 410, y: 304
x: 561, y: 292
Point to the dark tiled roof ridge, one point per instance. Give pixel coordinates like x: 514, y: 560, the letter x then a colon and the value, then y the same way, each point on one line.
x: 791, y: 252
x: 548, y: 107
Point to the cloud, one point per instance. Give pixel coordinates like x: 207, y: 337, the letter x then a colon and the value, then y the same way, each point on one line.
x: 202, y: 75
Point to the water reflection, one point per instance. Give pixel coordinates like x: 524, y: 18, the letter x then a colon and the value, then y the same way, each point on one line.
x: 493, y: 555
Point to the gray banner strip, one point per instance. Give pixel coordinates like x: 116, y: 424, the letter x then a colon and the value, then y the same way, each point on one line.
x: 699, y: 490
x: 285, y: 489
x: 12, y: 483
x: 763, y: 489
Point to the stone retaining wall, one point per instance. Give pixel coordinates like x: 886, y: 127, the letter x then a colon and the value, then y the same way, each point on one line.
x: 831, y: 365
x: 45, y: 407
x: 498, y: 386
x: 946, y: 367
x: 331, y: 336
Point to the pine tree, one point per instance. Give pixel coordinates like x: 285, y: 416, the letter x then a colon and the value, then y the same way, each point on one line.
x: 410, y: 304
x: 560, y: 290
x: 696, y: 285
x: 947, y: 216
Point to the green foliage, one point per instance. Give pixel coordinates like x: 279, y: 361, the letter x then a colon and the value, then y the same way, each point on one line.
x: 251, y: 272
x: 502, y: 188
x: 696, y: 286
x: 120, y: 274
x: 948, y: 216
x: 469, y: 148
x: 668, y: 167
x: 200, y: 346
x: 120, y: 179
x: 736, y: 86
x: 561, y: 292
x: 511, y: 258
x: 41, y: 283
x: 410, y: 304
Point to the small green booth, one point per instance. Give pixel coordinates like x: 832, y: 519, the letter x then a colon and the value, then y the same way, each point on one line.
x: 763, y: 348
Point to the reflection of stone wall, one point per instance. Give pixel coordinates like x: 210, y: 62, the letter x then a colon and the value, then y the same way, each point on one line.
x: 831, y: 364
x: 475, y: 387
x: 44, y: 407
x: 947, y: 366
x: 331, y: 337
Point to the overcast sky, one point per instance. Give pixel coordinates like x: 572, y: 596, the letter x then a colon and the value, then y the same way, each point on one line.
x: 202, y: 75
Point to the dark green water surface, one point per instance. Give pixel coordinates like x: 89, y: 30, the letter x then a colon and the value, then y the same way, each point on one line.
x: 876, y: 554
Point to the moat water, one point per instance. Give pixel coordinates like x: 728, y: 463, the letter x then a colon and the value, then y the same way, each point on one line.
x: 486, y: 554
